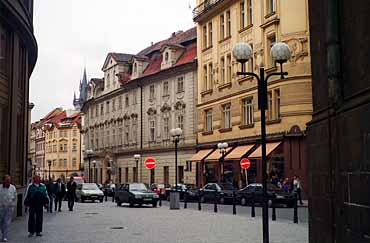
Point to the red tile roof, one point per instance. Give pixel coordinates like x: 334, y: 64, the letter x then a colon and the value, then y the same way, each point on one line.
x: 154, y: 65
x: 189, y: 55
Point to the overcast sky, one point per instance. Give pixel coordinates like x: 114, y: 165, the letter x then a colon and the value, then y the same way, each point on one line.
x: 72, y: 34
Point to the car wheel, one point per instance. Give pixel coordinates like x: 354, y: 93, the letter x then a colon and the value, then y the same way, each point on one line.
x: 154, y: 204
x: 290, y: 205
x: 243, y: 201
x: 119, y: 203
x: 131, y: 203
x: 82, y: 199
x: 93, y: 200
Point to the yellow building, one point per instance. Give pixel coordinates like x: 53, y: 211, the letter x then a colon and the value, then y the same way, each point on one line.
x: 62, y: 145
x: 227, y: 103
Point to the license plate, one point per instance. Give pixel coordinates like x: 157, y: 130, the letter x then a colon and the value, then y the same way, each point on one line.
x: 279, y: 197
x: 147, y: 199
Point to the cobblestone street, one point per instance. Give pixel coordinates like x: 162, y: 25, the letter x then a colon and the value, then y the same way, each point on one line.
x: 105, y: 222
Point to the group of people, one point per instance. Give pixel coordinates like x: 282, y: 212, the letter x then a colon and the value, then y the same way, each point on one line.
x: 39, y: 195
x: 292, y: 185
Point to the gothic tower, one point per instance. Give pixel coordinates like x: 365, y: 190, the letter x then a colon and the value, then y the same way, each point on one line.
x: 78, y: 102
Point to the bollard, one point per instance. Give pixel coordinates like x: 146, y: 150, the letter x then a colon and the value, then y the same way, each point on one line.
x: 106, y: 196
x: 160, y: 197
x: 199, y: 202
x: 273, y: 211
x: 234, y: 206
x: 253, y: 210
x: 215, y: 203
x: 186, y: 199
x: 295, y: 219
x: 113, y: 197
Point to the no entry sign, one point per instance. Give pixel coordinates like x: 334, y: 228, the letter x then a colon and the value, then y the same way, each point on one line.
x: 150, y: 163
x: 245, y: 163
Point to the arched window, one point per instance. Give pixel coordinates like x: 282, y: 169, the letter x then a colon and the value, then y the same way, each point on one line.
x: 135, y: 67
x: 166, y: 56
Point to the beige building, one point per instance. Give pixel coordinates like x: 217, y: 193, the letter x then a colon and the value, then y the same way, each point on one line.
x: 56, y: 139
x: 132, y: 109
x: 227, y: 103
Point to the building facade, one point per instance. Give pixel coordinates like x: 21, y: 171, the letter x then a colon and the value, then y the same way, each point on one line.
x: 62, y: 145
x: 133, y: 108
x: 339, y: 133
x: 227, y: 103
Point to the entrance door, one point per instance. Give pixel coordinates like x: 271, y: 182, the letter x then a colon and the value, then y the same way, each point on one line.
x: 166, y: 175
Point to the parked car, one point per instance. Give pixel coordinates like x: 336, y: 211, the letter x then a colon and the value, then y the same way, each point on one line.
x: 160, y: 189
x: 189, y: 190
x: 88, y: 191
x: 253, y: 192
x: 100, y: 186
x: 135, y: 193
x: 222, y: 191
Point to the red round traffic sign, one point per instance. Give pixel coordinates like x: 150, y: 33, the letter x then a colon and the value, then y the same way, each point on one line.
x: 150, y: 163
x: 245, y: 163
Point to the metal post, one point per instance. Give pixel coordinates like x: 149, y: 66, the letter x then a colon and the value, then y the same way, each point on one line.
x: 234, y: 206
x: 253, y: 211
x: 199, y: 202
x: 262, y: 88
x: 215, y: 203
x: 186, y: 199
x: 49, y: 169
x: 176, y: 141
x: 89, y: 168
x: 295, y: 218
x: 160, y: 197
x: 273, y: 211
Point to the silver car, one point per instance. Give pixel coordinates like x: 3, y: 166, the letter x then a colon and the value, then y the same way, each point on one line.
x: 89, y: 191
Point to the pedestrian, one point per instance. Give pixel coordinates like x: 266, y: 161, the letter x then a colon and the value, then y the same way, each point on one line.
x: 36, y: 198
x: 8, y: 198
x: 49, y: 188
x: 298, y: 188
x: 285, y: 185
x: 71, y: 193
x: 59, y: 192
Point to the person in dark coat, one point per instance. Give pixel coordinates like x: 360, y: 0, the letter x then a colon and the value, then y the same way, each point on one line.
x: 36, y: 198
x: 71, y: 193
x: 49, y: 187
x: 59, y: 191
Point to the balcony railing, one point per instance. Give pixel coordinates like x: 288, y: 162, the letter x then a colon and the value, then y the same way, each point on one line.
x: 204, y: 7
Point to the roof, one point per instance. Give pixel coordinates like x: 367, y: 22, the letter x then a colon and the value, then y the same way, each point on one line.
x: 118, y: 57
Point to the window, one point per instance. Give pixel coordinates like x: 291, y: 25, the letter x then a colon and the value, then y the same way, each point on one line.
x: 250, y: 61
x: 228, y: 24
x: 271, y: 40
x: 151, y: 130
x: 114, y: 137
x: 135, y: 67
x: 61, y: 147
x: 277, y: 103
x: 74, y: 147
x: 166, y: 128
x: 120, y: 102
x: 127, y: 132
x: 74, y: 133
x: 180, y: 84
x: 108, y: 139
x: 222, y: 27
x: 250, y: 12
x: 102, y: 109
x: 208, y: 120
x: 108, y: 80
x: 229, y: 68
x: 107, y: 108
x: 113, y: 104
x: 54, y: 148
x: 65, y: 148
x: 180, y: 122
x: 188, y: 166
x: 210, y: 75
x: 127, y: 101
x: 120, y: 131
x: 4, y: 51
x: 205, y: 36
x: 210, y: 39
x: 151, y: 92
x: 74, y: 162
x: 165, y: 88
x: 222, y: 72
x: 166, y: 56
x: 134, y: 130
x: 271, y: 6
x: 60, y: 162
x: 126, y: 174
x: 60, y: 134
x: 242, y: 15
x: 205, y: 77
x: 226, y: 116
x: 269, y: 105
x: 247, y: 106
x: 134, y: 174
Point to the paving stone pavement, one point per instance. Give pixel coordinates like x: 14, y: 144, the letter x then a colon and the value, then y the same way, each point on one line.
x: 105, y: 223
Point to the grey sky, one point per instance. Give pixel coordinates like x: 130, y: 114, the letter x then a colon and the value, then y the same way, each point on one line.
x: 72, y: 34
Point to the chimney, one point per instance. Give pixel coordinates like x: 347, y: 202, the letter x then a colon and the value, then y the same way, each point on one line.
x: 151, y: 43
x: 173, y: 34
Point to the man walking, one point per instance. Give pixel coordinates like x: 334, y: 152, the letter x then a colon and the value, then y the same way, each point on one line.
x: 297, y: 188
x: 36, y: 198
x: 59, y: 192
x: 71, y: 193
x: 8, y: 196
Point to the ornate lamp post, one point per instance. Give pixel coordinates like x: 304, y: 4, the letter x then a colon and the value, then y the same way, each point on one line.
x: 94, y: 173
x: 49, y: 164
x: 223, y: 148
x: 175, y: 198
x: 280, y: 53
x: 137, y: 158
x: 89, y: 154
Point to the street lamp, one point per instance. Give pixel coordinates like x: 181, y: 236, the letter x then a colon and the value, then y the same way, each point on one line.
x: 280, y: 53
x: 94, y: 165
x: 49, y: 164
x: 89, y: 154
x: 223, y: 148
x: 175, y: 196
x: 137, y: 158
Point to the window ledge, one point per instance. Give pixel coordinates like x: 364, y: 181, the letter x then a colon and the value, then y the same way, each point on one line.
x: 224, y: 86
x: 180, y: 92
x: 166, y: 95
x: 207, y: 133
x: 245, y: 79
x: 222, y: 130
x: 275, y: 121
x: 246, y: 28
x: 205, y: 92
x: 246, y: 126
x: 206, y: 48
x: 225, y: 39
x: 270, y: 14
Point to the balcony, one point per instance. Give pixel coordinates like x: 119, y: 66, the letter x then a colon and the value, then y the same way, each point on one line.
x: 204, y: 7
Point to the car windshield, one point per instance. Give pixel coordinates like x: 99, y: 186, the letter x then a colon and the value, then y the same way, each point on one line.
x: 89, y: 187
x: 138, y: 187
x: 226, y: 186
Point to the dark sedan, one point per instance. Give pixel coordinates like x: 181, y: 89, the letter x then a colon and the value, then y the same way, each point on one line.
x: 185, y: 190
x: 223, y: 192
x: 253, y: 192
x: 135, y: 193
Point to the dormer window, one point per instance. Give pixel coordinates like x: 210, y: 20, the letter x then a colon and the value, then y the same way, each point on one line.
x: 135, y: 67
x: 166, y: 56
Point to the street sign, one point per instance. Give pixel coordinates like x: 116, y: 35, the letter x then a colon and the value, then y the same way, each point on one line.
x: 149, y: 163
x: 245, y: 163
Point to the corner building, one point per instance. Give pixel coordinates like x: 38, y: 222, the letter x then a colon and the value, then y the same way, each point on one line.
x: 227, y: 103
x: 132, y: 109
